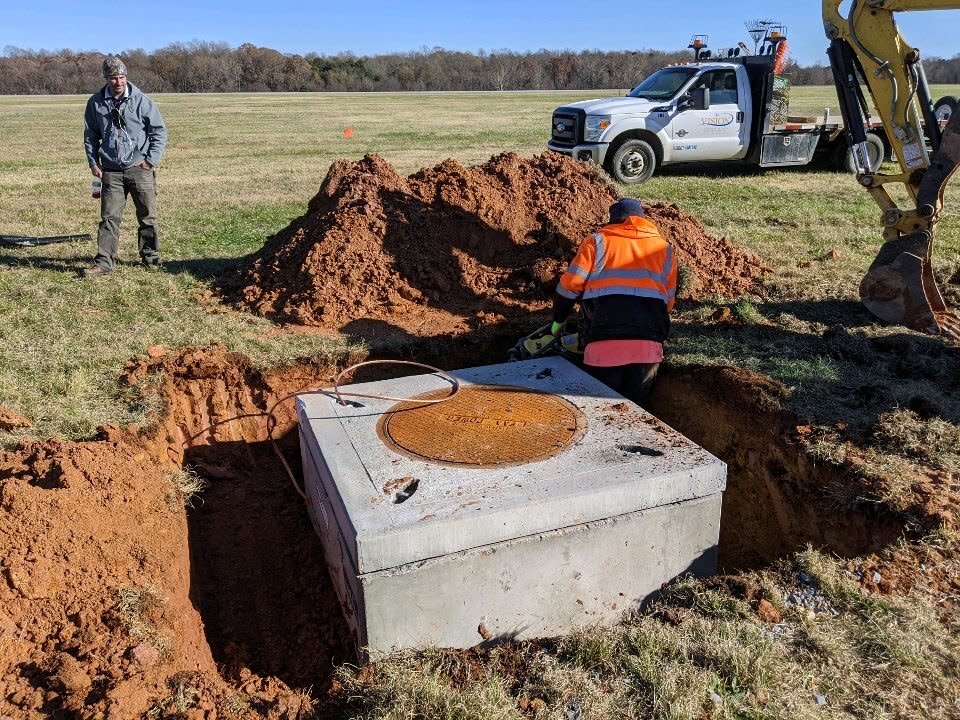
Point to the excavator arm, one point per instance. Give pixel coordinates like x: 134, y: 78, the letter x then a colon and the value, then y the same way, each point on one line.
x: 900, y: 287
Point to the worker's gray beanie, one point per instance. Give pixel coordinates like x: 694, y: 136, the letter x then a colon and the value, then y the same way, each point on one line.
x: 622, y: 209
x: 113, y: 65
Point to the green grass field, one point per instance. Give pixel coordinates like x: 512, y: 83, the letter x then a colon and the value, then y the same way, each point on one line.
x: 239, y: 167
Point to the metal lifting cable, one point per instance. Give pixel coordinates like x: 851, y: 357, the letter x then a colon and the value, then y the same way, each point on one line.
x: 335, y: 392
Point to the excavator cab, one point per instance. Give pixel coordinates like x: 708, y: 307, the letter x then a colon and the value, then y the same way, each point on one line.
x: 899, y: 287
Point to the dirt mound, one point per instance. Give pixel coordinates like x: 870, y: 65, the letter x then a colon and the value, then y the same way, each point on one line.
x: 716, y: 266
x: 469, y: 242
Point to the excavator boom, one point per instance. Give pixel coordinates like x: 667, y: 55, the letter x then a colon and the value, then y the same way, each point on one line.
x: 899, y: 287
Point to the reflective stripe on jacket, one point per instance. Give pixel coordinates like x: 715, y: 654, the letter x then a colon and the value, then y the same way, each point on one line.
x: 626, y: 276
x: 629, y: 258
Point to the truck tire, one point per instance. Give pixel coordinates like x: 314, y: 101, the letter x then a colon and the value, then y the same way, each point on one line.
x: 633, y: 162
x: 945, y: 107
x: 876, y: 150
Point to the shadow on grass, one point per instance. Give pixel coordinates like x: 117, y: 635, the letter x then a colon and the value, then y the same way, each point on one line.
x: 199, y: 268
x: 719, y: 170
x: 26, y: 259
x: 851, y: 314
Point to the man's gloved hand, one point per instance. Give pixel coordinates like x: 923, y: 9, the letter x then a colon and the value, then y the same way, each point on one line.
x: 556, y: 328
x: 537, y: 344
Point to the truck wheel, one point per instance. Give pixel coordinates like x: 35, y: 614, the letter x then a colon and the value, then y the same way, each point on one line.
x: 945, y: 107
x: 633, y: 162
x: 875, y: 149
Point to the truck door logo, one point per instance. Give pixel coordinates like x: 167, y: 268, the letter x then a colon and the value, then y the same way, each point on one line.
x: 721, y: 120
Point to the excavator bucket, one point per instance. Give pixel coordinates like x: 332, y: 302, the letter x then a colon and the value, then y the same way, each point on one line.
x: 900, y: 287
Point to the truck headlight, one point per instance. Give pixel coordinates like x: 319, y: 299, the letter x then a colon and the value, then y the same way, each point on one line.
x: 595, y: 126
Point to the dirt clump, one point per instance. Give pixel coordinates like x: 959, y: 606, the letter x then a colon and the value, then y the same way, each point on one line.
x: 451, y: 247
x: 10, y: 420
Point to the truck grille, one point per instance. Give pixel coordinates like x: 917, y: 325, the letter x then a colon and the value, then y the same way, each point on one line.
x: 568, y: 126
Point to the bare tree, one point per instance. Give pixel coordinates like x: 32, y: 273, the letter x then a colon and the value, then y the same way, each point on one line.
x: 199, y: 66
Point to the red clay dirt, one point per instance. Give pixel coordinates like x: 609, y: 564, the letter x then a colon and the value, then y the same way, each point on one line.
x: 454, y: 246
x: 10, y: 420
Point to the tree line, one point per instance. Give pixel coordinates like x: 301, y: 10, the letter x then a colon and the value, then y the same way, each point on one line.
x: 198, y: 67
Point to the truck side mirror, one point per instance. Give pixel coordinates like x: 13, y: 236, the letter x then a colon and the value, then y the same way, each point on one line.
x: 700, y: 98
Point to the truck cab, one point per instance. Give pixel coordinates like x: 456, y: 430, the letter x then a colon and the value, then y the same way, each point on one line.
x: 682, y: 113
x: 724, y: 108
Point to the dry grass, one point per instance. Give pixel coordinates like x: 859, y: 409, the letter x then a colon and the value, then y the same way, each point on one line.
x: 184, y: 696
x: 408, y: 686
x: 236, y: 706
x: 186, y: 487
x: 933, y: 442
x: 137, y: 606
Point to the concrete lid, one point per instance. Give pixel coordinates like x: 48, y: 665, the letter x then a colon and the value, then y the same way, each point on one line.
x: 625, y: 460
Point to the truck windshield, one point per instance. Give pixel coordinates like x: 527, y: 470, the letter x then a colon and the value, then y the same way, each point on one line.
x: 663, y: 84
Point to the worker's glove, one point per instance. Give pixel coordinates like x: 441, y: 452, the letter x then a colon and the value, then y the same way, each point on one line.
x: 540, y: 342
x: 556, y: 328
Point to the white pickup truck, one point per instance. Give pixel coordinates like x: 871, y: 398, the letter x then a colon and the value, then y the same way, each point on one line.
x: 702, y: 112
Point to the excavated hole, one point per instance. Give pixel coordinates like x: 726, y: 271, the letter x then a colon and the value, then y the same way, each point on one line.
x: 257, y: 571
x: 778, y: 500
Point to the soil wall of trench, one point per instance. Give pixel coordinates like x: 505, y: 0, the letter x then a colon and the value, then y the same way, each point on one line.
x: 243, y: 607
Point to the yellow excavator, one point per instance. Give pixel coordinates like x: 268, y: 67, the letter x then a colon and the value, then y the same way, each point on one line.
x: 900, y: 287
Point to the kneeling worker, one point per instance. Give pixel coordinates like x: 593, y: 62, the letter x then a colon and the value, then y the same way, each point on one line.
x: 625, y: 276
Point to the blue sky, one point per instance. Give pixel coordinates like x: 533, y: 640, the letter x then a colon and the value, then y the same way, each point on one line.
x: 367, y: 27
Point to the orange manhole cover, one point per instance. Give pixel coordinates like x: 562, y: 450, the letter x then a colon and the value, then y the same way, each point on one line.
x: 483, y: 425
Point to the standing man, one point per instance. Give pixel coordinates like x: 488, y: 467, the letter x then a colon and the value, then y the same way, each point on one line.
x: 124, y: 137
x: 625, y: 276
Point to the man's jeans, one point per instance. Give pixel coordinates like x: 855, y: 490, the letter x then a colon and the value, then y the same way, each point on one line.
x: 142, y: 186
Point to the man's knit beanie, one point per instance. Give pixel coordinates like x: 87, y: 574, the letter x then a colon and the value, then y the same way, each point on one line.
x: 113, y: 65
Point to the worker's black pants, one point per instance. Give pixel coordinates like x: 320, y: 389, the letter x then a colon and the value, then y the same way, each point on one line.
x: 633, y: 381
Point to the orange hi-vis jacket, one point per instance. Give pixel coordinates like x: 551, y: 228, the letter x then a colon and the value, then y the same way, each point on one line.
x: 626, y: 276
x: 629, y: 258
